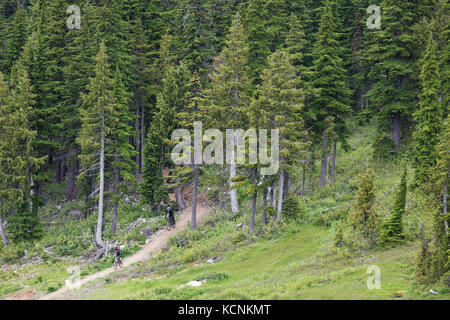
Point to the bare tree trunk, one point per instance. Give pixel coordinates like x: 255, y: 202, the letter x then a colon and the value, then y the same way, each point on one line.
x: 58, y: 170
x: 141, y: 163
x: 137, y: 142
x: 254, y: 198
x: 2, y: 232
x: 280, y: 195
x: 179, y: 196
x: 302, y: 189
x: 194, y: 198
x: 31, y: 192
x: 323, y: 167
x: 70, y: 183
x: 328, y: 167
x: 286, y: 184
x: 422, y: 235
x: 264, y: 210
x: 273, y: 196
x: 98, y: 234
x: 116, y: 193
x: 333, y: 161
x: 233, y: 192
x: 313, y: 167
x: 396, y: 125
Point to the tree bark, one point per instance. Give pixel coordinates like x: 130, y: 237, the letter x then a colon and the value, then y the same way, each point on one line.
x: 2, y: 233
x: 302, y: 189
x: 264, y: 210
x: 273, y: 196
x: 323, y: 167
x: 116, y: 193
x: 141, y: 163
x: 31, y: 192
x: 70, y: 182
x: 179, y: 196
x: 328, y: 167
x: 58, y: 170
x: 286, y: 184
x: 333, y: 161
x: 194, y: 198
x: 233, y: 192
x: 396, y: 125
x: 254, y: 199
x: 280, y: 195
x: 313, y: 161
x: 98, y: 234
x: 137, y: 142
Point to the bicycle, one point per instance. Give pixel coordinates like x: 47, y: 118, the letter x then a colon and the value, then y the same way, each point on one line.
x: 171, y: 223
x: 118, y: 263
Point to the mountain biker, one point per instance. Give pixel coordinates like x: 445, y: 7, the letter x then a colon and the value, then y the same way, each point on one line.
x: 170, y: 213
x: 118, y: 253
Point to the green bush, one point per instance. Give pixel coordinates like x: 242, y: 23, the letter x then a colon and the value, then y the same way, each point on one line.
x: 292, y: 210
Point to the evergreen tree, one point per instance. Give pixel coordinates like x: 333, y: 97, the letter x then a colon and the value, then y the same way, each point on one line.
x: 330, y: 95
x: 195, y: 38
x: 364, y: 216
x: 228, y: 99
x: 18, y: 163
x: 266, y: 27
x: 17, y: 35
x: 122, y: 164
x: 96, y: 125
x: 295, y: 44
x: 442, y: 216
x: 392, y: 233
x: 187, y: 119
x: 292, y: 209
x: 152, y: 188
x: 434, y: 262
x: 389, y: 55
x: 428, y: 116
x: 281, y: 102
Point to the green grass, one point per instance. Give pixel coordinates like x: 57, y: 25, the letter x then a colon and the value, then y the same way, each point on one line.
x: 301, y: 265
x: 295, y: 261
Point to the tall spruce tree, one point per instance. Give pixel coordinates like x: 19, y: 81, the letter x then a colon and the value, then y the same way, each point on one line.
x: 152, y: 188
x: 16, y: 35
x: 122, y: 164
x: 363, y: 217
x: 266, y: 27
x: 228, y: 98
x: 194, y: 37
x: 392, y: 233
x: 96, y: 125
x: 187, y: 119
x: 330, y: 87
x: 428, y: 115
x: 18, y: 163
x: 389, y: 55
x: 281, y: 102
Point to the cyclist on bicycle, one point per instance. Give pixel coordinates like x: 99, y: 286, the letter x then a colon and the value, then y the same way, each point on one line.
x: 118, y: 254
x: 170, y: 214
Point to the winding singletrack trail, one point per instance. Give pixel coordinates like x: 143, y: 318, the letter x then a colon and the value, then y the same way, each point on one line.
x: 157, y: 243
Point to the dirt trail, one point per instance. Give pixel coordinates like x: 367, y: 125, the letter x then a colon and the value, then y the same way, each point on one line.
x: 157, y: 243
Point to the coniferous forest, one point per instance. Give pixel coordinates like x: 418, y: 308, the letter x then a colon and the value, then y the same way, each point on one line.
x: 343, y: 106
